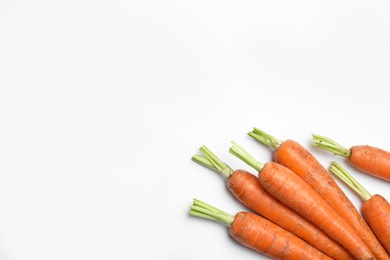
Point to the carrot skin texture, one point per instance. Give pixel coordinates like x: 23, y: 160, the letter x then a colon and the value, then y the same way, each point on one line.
x: 263, y: 236
x: 371, y: 160
x: 248, y: 190
x: 376, y: 210
x: 297, y: 158
x: 294, y: 192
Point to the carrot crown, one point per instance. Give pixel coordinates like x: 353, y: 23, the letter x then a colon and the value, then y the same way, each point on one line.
x: 329, y: 145
x: 265, y: 138
x: 203, y: 210
x: 347, y: 178
x: 245, y: 156
x: 210, y: 160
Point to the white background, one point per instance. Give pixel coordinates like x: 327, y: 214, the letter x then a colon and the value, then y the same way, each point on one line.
x: 103, y: 104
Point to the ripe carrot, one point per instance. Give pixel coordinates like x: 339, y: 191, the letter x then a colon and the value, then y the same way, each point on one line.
x: 246, y: 187
x: 295, y: 193
x: 368, y: 159
x: 375, y: 208
x: 259, y: 234
x: 297, y: 158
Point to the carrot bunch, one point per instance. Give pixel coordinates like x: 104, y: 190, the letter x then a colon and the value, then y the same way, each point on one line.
x: 296, y: 209
x: 297, y: 158
x: 246, y: 188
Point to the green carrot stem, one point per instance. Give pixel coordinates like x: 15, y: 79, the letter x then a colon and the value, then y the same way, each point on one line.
x: 203, y: 210
x: 245, y: 156
x: 210, y: 160
x: 348, y: 179
x: 265, y: 138
x: 330, y: 145
x: 204, y: 161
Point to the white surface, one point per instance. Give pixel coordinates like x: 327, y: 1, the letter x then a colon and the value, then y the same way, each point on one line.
x: 103, y: 103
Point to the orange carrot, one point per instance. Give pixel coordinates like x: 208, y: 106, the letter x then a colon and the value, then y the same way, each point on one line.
x: 246, y: 187
x: 295, y: 193
x: 375, y: 208
x: 368, y: 159
x: 259, y: 234
x: 297, y: 158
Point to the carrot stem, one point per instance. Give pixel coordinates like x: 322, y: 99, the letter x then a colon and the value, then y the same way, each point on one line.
x: 203, y: 210
x: 245, y: 156
x: 265, y: 138
x: 203, y: 161
x: 330, y: 145
x: 348, y: 179
x: 210, y: 160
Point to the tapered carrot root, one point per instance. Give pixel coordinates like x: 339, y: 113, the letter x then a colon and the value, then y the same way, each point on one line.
x: 376, y: 209
x: 259, y: 234
x: 377, y: 214
x: 368, y: 159
x: 295, y: 193
x: 248, y: 190
x: 297, y: 158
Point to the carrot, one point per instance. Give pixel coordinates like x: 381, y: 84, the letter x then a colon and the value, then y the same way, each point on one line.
x: 375, y: 208
x: 259, y: 234
x: 247, y: 189
x: 368, y: 159
x: 297, y: 158
x: 295, y: 193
